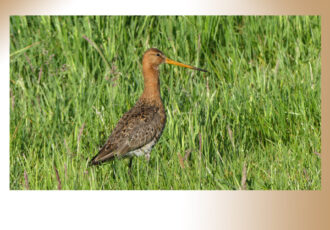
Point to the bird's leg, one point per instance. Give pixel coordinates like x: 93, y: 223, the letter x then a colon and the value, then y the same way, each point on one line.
x: 130, y: 170
x: 130, y: 167
x: 130, y: 163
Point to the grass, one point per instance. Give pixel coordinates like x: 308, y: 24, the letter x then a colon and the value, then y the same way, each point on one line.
x: 253, y: 122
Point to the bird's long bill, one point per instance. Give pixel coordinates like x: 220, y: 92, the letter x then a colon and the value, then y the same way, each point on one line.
x: 169, y: 61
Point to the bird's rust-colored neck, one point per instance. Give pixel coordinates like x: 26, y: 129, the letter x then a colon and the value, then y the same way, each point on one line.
x: 151, y: 82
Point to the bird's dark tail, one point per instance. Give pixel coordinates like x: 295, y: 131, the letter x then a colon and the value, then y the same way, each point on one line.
x: 94, y: 162
x: 101, y: 158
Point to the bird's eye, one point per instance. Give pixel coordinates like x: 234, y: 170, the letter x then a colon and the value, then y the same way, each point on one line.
x: 158, y: 54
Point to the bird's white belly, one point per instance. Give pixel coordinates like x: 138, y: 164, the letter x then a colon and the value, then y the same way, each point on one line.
x: 145, y: 150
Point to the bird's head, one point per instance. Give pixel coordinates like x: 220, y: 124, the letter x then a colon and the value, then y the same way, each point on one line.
x: 154, y: 57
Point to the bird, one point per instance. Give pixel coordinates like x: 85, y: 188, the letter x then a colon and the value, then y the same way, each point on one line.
x: 140, y: 128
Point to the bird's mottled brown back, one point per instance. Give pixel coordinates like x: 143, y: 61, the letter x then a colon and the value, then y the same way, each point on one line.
x: 139, y: 126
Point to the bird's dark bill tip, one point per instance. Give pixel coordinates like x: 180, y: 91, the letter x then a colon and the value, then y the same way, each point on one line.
x: 203, y: 70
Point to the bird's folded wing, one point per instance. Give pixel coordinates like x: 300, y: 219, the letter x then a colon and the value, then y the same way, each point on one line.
x: 135, y: 129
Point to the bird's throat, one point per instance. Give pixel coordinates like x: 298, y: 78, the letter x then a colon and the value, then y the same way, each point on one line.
x: 151, y: 83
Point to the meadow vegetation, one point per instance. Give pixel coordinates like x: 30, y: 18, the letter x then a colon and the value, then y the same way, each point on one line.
x: 253, y: 122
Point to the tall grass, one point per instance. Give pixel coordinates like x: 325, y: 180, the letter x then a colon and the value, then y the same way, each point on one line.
x: 253, y: 122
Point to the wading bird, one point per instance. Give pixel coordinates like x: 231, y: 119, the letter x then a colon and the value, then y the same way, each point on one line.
x: 141, y: 127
